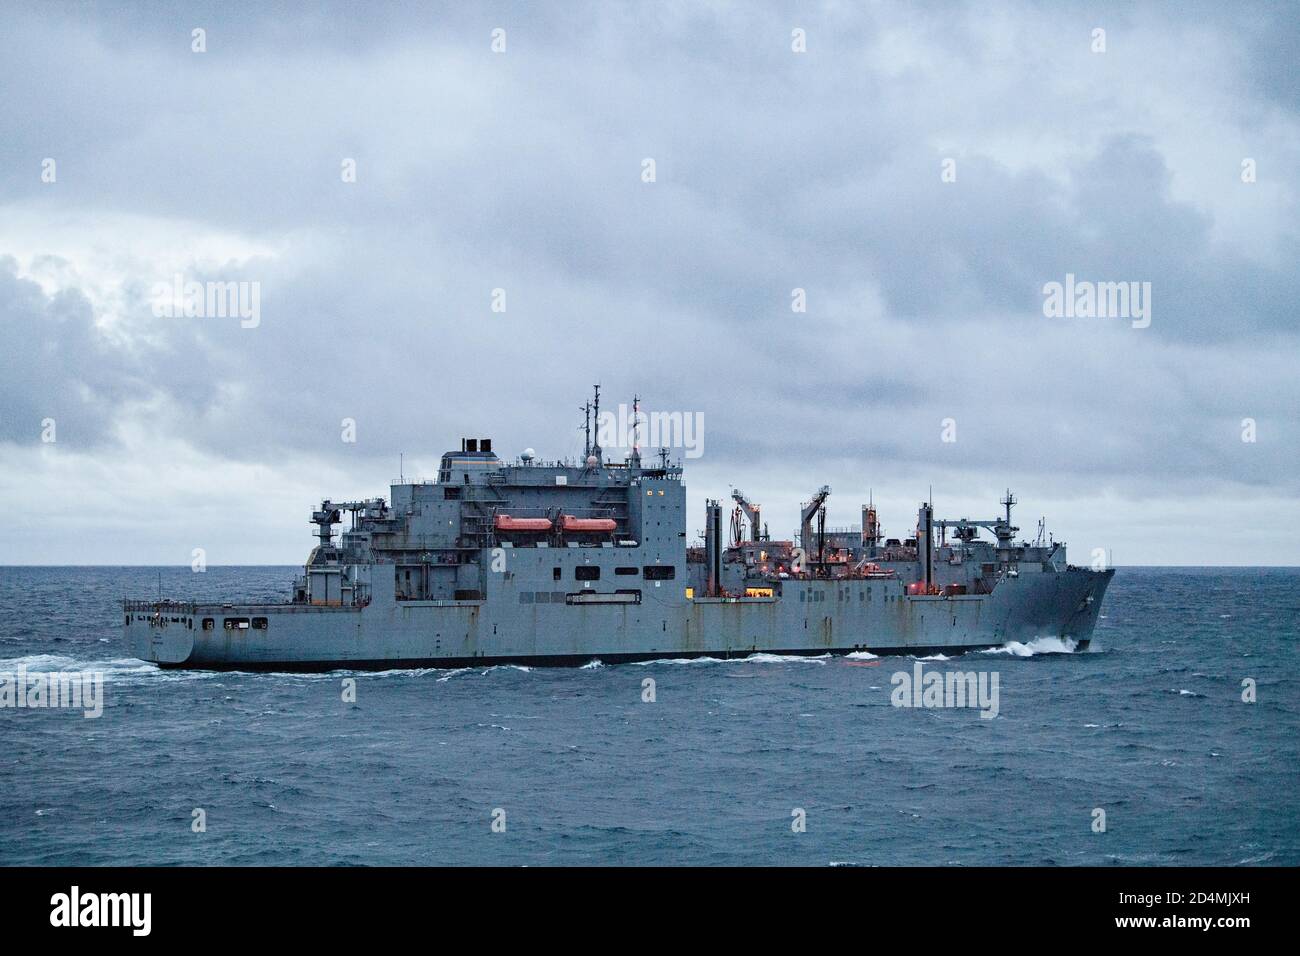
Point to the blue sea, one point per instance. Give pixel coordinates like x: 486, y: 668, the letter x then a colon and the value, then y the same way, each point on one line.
x: 1148, y: 725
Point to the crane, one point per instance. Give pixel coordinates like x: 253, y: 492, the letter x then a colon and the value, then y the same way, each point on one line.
x: 751, y: 512
x: 806, y: 513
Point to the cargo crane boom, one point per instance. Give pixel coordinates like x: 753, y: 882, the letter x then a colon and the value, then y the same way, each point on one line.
x: 965, y: 529
x: 751, y: 512
x: 806, y: 515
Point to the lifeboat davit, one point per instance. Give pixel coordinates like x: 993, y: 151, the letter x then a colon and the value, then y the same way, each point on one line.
x: 508, y: 523
x: 570, y: 523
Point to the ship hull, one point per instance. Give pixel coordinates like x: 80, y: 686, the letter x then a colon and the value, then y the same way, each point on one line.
x: 808, y: 617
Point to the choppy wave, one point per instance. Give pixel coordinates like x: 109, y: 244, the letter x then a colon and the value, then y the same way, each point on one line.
x: 258, y: 741
x: 453, y: 673
x: 50, y: 663
x: 680, y: 660
x: 761, y: 657
x: 1039, y: 645
x: 447, y: 673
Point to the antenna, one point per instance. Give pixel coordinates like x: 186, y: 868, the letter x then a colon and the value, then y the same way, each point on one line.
x: 401, y: 467
x: 595, y: 448
x: 1007, y: 502
x: 636, y: 427
x: 586, y: 431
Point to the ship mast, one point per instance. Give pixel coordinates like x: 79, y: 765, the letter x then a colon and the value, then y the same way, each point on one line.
x: 635, y: 460
x: 586, y: 431
x: 595, y: 448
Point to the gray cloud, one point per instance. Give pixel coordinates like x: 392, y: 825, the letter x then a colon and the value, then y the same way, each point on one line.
x: 775, y: 171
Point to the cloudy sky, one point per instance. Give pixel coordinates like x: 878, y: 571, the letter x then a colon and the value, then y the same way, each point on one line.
x: 774, y: 170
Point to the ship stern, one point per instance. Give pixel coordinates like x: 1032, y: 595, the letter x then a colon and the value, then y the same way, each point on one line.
x: 158, y: 633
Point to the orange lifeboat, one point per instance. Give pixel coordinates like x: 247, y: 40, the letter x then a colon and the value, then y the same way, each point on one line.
x: 507, y: 523
x: 570, y: 523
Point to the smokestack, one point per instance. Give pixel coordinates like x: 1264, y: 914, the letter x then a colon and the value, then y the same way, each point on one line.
x: 713, y: 546
x: 925, y: 532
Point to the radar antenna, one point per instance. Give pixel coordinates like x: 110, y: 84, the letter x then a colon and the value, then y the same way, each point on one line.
x: 586, y: 430
x: 636, y: 431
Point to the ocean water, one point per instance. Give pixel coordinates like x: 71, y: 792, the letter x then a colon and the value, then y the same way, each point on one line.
x: 1148, y: 725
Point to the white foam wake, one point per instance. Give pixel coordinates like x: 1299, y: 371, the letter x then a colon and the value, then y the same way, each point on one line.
x: 762, y: 658
x: 1039, y: 645
x: 49, y: 663
x: 758, y: 658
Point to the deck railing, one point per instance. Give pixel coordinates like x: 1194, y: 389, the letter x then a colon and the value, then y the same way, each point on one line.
x: 159, y: 606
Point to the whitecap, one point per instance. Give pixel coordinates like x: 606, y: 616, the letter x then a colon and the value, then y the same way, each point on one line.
x: 765, y: 658
x: 681, y: 660
x: 1039, y: 645
x: 111, y: 668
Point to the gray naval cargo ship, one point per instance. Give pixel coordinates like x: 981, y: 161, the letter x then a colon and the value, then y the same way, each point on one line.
x: 531, y: 562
